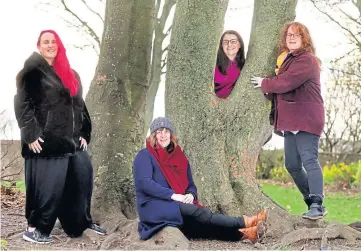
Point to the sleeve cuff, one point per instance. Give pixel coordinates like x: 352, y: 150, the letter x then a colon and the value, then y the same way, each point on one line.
x: 30, y: 133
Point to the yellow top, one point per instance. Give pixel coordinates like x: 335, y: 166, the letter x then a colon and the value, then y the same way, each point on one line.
x: 280, y: 60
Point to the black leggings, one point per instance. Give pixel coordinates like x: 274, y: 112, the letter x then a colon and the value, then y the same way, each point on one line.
x: 59, y: 188
x: 200, y: 222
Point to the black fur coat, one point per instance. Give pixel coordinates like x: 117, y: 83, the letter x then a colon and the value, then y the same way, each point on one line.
x: 45, y: 109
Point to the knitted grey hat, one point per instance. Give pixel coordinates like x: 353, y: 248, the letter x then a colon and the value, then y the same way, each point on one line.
x: 161, y: 122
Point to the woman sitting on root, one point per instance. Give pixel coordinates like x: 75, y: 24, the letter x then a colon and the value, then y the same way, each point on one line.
x: 167, y: 196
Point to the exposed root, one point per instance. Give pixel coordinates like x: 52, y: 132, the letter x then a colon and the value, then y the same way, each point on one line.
x: 14, y: 233
x: 127, y: 238
x: 335, y: 231
x: 109, y: 241
x: 356, y: 225
x: 332, y: 231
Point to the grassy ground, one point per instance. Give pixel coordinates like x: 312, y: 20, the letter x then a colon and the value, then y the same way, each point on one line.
x: 18, y: 184
x: 341, y: 207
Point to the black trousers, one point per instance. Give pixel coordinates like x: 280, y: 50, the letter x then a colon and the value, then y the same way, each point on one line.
x: 200, y: 222
x: 59, y: 188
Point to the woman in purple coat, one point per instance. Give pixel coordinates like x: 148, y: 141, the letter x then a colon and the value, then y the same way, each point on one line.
x: 167, y: 196
x: 299, y: 113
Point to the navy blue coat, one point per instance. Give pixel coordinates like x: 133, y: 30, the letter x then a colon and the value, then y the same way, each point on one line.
x: 153, y: 194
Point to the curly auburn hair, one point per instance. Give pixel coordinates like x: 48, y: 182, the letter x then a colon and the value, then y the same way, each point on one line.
x: 307, y: 43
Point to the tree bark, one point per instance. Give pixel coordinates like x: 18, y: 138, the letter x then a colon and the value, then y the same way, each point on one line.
x: 157, y: 53
x: 222, y: 138
x: 116, y: 101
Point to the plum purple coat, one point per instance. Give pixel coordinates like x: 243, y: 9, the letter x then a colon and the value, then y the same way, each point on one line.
x: 297, y: 93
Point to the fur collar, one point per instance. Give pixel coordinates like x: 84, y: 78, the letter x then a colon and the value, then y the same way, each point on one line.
x: 34, y: 62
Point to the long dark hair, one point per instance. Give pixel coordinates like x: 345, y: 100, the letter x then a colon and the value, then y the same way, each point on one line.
x: 223, y: 60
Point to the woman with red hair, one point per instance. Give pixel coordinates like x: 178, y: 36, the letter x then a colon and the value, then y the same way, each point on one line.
x: 299, y: 113
x: 55, y: 131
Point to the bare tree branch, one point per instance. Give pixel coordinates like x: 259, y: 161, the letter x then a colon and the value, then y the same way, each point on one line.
x: 168, y: 31
x: 346, y: 55
x: 92, y: 33
x: 93, y: 11
x: 11, y: 174
x: 345, y: 29
x: 349, y: 16
x: 165, y: 49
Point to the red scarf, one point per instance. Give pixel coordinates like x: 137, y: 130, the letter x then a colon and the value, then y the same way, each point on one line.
x: 174, y: 167
x: 62, y: 66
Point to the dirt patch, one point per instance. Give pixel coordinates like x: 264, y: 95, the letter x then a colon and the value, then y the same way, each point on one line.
x: 13, y: 223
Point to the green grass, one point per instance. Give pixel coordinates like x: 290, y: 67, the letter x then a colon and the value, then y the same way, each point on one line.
x: 19, y: 184
x: 3, y: 243
x: 340, y: 207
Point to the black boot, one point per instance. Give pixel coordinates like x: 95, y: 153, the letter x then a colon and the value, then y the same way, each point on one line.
x: 309, y: 202
x: 316, y: 210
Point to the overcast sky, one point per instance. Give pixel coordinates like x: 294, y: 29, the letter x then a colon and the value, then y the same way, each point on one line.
x: 22, y: 20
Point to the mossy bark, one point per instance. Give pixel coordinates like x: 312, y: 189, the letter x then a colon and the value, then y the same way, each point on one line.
x: 157, y: 53
x: 116, y: 101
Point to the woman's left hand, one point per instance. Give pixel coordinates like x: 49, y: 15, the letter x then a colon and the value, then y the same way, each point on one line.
x: 188, y: 198
x: 256, y: 81
x: 83, y: 144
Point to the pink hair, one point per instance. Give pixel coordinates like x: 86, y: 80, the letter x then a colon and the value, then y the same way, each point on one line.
x: 62, y: 66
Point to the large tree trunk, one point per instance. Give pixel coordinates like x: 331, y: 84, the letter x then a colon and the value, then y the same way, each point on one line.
x: 116, y: 100
x: 157, y: 53
x: 222, y: 138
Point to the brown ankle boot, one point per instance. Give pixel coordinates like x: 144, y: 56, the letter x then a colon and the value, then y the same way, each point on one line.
x: 251, y: 221
x: 253, y: 233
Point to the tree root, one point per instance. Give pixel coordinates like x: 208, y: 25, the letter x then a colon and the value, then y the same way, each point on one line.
x: 356, y: 225
x: 14, y: 233
x: 332, y: 231
x: 127, y: 237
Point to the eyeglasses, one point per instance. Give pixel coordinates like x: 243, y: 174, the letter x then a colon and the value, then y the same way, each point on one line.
x: 232, y: 41
x: 289, y: 35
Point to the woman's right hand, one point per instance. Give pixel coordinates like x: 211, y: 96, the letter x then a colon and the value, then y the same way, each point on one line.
x: 35, y: 146
x: 178, y: 197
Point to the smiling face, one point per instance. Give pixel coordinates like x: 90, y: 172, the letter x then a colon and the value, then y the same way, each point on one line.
x: 48, y: 47
x: 293, y: 39
x: 163, y: 137
x: 230, y: 45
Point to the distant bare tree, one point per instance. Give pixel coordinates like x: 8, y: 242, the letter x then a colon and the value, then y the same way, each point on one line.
x: 340, y: 13
x: 343, y: 109
x: 10, y: 152
x: 342, y: 132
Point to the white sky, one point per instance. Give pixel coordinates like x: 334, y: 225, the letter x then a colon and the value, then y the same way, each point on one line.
x: 21, y: 21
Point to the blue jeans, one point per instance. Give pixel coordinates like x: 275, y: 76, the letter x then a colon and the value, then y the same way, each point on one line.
x: 301, y: 160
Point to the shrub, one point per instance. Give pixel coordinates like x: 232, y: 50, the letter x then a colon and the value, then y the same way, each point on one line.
x: 280, y: 174
x: 342, y: 175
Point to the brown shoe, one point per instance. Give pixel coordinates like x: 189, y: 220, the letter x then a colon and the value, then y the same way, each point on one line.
x: 254, y: 233
x: 251, y: 221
